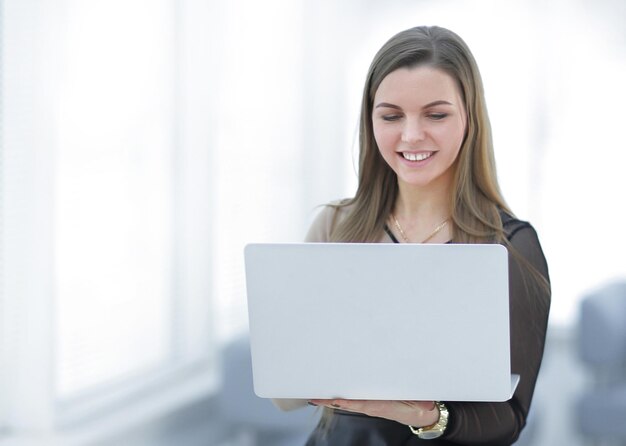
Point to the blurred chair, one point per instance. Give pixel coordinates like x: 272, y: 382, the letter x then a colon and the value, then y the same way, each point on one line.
x: 255, y: 419
x: 601, y: 409
x: 528, y: 437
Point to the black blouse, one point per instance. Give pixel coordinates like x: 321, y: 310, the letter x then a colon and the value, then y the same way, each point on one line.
x: 475, y: 423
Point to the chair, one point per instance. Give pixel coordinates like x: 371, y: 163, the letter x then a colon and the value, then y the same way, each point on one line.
x: 529, y: 434
x: 601, y: 410
x: 257, y: 419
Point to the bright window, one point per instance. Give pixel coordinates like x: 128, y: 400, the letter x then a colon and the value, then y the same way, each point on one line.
x: 114, y: 193
x: 105, y: 208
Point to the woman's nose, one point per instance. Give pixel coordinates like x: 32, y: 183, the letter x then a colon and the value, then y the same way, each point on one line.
x: 412, y: 132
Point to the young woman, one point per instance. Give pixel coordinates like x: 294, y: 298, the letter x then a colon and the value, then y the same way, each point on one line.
x: 427, y: 175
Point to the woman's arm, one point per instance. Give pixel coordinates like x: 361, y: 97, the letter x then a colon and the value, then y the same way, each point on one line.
x: 319, y: 232
x: 288, y: 404
x: 501, y: 423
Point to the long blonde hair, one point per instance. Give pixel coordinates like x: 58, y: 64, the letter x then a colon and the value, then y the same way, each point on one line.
x: 476, y: 196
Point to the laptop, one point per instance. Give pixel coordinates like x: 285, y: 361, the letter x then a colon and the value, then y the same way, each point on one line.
x: 379, y: 321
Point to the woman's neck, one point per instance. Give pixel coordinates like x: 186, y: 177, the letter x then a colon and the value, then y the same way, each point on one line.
x: 422, y: 214
x: 423, y: 203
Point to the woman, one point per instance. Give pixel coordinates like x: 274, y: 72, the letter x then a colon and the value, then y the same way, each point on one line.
x: 427, y: 175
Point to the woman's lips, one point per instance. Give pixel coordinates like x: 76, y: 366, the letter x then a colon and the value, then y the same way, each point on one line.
x: 421, y: 156
x: 416, y: 158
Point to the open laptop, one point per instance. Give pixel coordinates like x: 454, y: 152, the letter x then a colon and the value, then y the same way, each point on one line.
x: 379, y: 321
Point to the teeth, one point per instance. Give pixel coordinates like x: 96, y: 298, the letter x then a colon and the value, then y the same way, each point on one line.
x: 416, y: 156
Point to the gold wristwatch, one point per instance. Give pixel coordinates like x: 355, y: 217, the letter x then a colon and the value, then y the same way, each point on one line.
x: 434, y: 430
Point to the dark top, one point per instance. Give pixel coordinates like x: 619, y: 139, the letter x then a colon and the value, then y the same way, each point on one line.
x: 472, y: 423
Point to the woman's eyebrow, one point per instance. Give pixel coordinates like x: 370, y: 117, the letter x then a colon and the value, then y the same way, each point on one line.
x: 430, y: 104
x: 435, y: 103
x: 387, y: 105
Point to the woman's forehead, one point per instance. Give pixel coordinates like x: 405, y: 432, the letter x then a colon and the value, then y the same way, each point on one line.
x: 422, y: 84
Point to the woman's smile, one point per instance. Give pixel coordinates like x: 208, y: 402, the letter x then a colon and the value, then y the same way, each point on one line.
x: 416, y: 157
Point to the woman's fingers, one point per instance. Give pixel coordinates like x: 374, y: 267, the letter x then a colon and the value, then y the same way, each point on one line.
x: 415, y: 413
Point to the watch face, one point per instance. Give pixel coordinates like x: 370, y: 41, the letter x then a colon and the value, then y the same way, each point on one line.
x: 429, y: 435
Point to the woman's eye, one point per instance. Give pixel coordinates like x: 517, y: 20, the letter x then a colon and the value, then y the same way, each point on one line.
x: 391, y: 117
x: 437, y: 116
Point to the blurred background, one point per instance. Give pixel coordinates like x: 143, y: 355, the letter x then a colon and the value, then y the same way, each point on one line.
x: 143, y: 143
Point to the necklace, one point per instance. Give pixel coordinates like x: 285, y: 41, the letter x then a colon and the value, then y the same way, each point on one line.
x: 432, y: 234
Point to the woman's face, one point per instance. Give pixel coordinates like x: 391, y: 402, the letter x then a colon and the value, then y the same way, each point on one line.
x: 419, y: 123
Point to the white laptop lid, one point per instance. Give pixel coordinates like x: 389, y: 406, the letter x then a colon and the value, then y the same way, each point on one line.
x: 379, y: 321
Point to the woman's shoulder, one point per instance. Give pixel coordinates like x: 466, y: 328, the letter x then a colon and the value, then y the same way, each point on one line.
x: 524, y: 238
x: 512, y: 225
x: 327, y: 219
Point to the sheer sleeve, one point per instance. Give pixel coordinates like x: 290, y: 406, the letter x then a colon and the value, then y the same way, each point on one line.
x: 325, y: 222
x: 501, y: 423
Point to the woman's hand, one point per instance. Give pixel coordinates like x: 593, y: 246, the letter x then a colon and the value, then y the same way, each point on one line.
x: 414, y: 413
